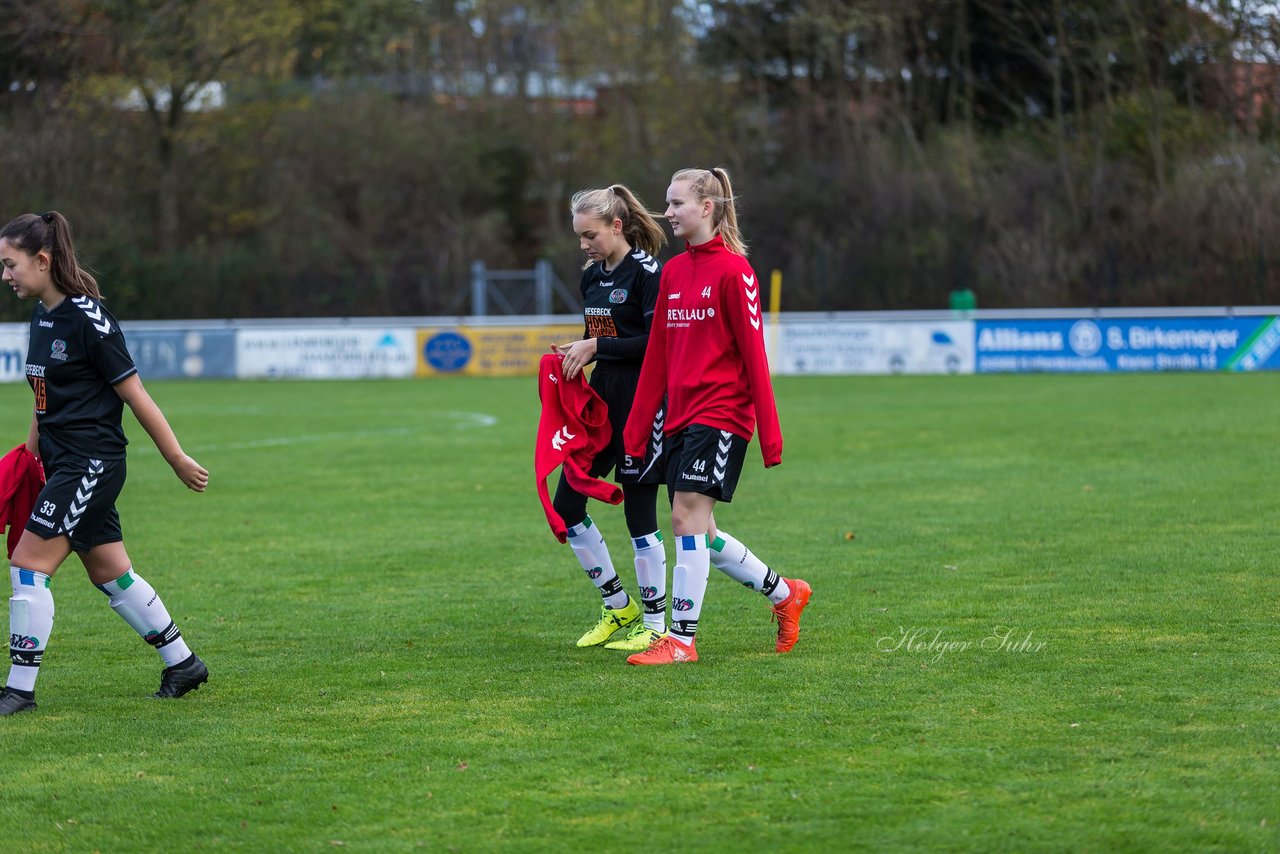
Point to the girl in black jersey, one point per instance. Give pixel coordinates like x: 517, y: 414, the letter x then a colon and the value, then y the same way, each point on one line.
x: 619, y: 294
x: 82, y: 375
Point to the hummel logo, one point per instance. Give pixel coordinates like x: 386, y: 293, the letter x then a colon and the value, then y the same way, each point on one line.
x: 673, y: 296
x: 646, y: 260
x: 753, y: 296
x: 722, y: 458
x: 606, y: 284
x: 83, y: 494
x: 94, y: 313
x: 562, y: 435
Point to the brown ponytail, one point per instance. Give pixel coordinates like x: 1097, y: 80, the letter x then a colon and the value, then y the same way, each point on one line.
x: 50, y: 232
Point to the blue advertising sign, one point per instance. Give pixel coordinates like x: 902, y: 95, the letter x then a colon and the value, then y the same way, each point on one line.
x: 447, y: 352
x: 1128, y: 344
x: 177, y: 354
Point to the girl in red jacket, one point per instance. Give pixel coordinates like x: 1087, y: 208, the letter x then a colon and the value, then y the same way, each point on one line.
x: 706, y: 355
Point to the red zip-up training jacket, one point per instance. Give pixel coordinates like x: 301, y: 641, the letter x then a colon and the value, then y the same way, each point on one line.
x: 706, y: 353
x: 21, y: 478
x: 573, y: 429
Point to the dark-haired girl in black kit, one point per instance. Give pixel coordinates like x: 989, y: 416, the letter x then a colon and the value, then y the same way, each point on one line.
x: 82, y: 376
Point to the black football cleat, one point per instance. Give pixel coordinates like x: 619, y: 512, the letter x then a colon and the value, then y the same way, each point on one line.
x: 12, y: 702
x: 182, y: 678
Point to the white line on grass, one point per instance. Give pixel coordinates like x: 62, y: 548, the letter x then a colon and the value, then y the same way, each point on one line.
x: 306, y: 438
x: 462, y: 419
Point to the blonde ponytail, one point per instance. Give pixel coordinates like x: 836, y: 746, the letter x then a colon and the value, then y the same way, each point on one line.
x: 639, y: 227
x: 714, y: 184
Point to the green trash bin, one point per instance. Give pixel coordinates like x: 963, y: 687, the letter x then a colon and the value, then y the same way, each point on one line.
x: 964, y: 301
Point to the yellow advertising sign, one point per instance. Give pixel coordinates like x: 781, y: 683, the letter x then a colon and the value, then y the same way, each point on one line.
x: 489, y: 351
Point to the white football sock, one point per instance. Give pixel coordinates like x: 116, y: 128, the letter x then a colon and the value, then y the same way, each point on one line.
x: 30, y: 624
x: 138, y: 603
x: 740, y: 563
x: 588, y: 546
x: 689, y: 585
x: 651, y: 575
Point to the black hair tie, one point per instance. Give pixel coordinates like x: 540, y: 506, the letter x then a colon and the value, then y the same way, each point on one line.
x: 47, y: 217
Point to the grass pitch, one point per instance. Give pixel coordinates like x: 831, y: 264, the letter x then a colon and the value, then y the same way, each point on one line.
x: 1044, y: 619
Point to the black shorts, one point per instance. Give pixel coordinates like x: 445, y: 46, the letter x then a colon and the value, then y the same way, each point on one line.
x: 79, y: 501
x: 617, y: 388
x: 705, y: 460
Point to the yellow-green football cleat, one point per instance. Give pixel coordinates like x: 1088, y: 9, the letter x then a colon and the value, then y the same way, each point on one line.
x: 610, y: 621
x: 638, y: 641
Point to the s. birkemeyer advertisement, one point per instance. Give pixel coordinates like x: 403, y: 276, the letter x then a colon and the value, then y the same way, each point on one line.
x: 324, y: 353
x: 1128, y: 344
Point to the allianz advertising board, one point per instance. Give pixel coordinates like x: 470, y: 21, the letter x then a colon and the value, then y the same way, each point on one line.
x: 1128, y: 344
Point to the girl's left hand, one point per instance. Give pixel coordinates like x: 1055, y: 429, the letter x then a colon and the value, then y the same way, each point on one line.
x: 190, y: 472
x: 576, y: 356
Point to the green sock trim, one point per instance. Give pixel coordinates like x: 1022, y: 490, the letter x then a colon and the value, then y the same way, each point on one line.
x: 718, y: 545
x: 125, y: 581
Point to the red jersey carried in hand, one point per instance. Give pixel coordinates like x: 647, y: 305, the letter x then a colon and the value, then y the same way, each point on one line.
x: 573, y: 429
x: 21, y: 478
x: 706, y: 353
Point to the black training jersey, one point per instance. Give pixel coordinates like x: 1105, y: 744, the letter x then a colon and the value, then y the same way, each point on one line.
x: 75, y: 355
x: 619, y: 307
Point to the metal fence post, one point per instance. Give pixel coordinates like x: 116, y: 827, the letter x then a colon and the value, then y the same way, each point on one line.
x: 542, y: 286
x: 479, y: 288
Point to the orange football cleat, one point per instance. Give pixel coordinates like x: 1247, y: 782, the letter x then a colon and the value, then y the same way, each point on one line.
x: 787, y: 613
x: 665, y: 650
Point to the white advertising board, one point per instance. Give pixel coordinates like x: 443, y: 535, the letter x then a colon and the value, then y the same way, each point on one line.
x: 325, y: 353
x: 13, y: 352
x: 850, y: 347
